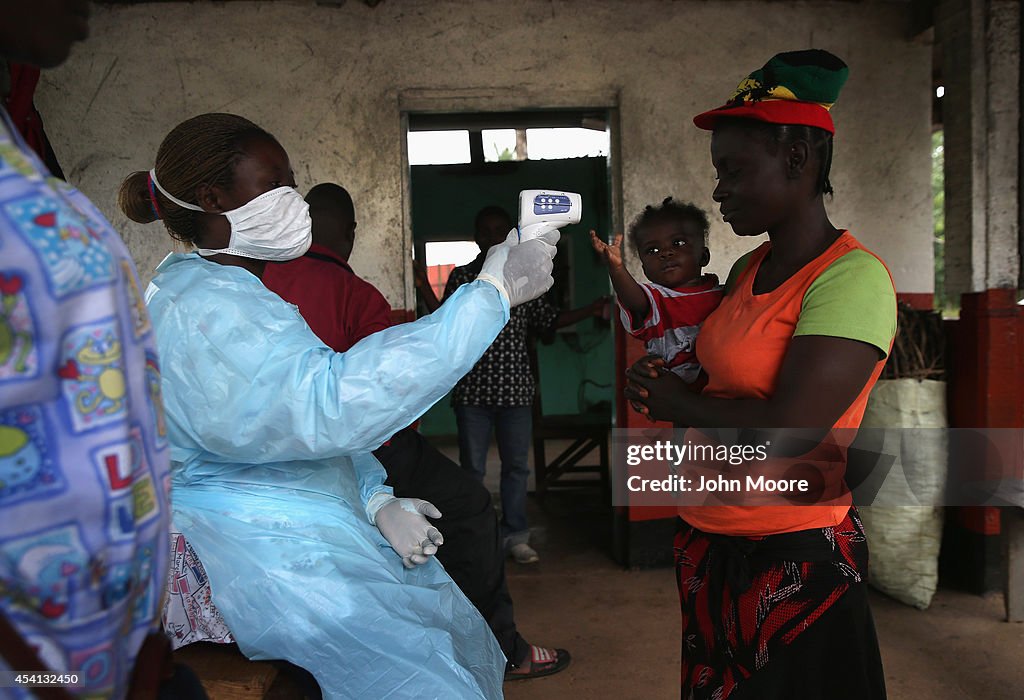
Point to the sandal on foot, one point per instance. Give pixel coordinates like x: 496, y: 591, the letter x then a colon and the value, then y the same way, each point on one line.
x: 524, y: 553
x: 542, y: 663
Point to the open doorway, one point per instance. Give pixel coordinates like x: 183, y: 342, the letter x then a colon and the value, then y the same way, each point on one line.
x: 461, y: 162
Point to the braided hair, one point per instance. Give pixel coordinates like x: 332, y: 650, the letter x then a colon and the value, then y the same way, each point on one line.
x: 202, y: 150
x: 819, y: 141
x: 670, y: 210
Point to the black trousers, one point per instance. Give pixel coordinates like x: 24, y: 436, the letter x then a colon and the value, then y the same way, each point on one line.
x: 473, y: 552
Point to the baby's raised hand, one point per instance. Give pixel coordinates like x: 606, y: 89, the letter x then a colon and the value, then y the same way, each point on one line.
x: 611, y: 253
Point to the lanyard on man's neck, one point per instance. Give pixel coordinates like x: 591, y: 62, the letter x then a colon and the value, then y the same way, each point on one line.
x: 325, y: 258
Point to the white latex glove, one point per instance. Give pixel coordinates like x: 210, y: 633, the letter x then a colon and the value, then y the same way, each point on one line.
x: 402, y: 523
x: 521, y: 271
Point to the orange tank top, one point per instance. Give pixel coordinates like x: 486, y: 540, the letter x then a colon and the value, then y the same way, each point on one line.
x: 741, y: 346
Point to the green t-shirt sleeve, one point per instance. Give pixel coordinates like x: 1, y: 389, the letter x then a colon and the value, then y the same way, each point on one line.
x: 853, y: 298
x: 737, y: 269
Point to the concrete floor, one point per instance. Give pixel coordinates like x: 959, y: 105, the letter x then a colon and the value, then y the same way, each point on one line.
x: 622, y: 627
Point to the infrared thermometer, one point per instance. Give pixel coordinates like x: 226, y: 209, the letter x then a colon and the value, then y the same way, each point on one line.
x: 546, y: 210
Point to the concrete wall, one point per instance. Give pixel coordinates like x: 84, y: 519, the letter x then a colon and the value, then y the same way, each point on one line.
x: 329, y: 81
x: 981, y: 122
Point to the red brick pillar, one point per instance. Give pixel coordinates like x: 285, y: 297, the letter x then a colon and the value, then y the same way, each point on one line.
x: 642, y: 535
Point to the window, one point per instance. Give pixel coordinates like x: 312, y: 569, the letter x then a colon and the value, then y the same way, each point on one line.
x: 553, y: 144
x: 438, y: 147
x: 454, y: 146
x: 444, y: 256
x: 500, y: 144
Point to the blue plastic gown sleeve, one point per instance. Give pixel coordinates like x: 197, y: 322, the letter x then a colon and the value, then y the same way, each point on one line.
x: 246, y: 381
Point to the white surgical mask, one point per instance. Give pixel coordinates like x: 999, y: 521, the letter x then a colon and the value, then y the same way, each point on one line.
x: 274, y: 226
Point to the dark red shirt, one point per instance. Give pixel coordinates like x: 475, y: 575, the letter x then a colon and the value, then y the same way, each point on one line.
x: 340, y: 307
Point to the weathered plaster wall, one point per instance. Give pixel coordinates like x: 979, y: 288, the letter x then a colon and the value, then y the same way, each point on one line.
x: 327, y: 82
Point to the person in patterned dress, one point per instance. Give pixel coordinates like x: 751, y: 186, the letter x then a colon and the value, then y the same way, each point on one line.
x: 84, y: 463
x: 497, y: 394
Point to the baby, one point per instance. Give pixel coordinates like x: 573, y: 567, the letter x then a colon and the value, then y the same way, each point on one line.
x: 666, y: 314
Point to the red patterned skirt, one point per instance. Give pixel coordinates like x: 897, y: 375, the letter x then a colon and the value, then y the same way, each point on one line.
x: 785, y: 616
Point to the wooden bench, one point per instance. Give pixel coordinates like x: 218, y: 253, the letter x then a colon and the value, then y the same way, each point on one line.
x: 588, y: 435
x: 227, y: 675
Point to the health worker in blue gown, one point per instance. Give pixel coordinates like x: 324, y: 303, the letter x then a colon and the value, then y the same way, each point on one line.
x: 310, y: 557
